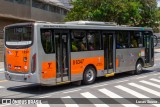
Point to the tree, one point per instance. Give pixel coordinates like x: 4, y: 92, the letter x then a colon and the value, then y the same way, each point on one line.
x: 147, y: 11
x: 130, y: 12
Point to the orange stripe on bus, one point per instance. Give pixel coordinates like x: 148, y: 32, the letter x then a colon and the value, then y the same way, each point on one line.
x: 78, y: 65
x: 117, y: 62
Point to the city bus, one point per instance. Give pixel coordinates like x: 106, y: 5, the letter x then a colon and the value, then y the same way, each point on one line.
x: 77, y: 51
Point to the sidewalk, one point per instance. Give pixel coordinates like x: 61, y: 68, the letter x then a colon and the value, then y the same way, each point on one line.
x: 1, y: 66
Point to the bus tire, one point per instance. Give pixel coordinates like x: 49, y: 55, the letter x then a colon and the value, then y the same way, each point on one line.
x: 139, y: 67
x: 89, y: 75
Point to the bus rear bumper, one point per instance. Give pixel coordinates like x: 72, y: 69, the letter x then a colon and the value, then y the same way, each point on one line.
x: 31, y: 78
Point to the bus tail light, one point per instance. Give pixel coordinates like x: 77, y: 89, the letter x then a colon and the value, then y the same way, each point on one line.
x: 33, y: 63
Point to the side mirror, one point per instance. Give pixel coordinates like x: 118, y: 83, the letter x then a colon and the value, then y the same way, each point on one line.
x: 155, y: 39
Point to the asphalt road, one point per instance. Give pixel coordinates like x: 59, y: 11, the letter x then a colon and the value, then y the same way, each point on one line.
x: 122, y: 87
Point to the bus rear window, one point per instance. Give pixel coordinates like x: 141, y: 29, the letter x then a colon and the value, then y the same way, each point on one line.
x: 18, y: 36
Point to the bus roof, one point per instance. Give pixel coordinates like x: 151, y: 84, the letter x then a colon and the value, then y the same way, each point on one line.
x: 83, y: 25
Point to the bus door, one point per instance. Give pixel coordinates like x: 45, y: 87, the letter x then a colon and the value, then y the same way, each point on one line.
x: 62, y: 56
x: 109, y: 51
x: 149, y: 49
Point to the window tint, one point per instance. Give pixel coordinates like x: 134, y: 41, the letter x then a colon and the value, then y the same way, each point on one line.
x: 122, y: 39
x: 17, y: 34
x: 40, y: 5
x: 138, y: 38
x: 78, y: 41
x: 47, y: 40
x: 147, y: 36
x: 52, y: 8
x: 22, y: 2
x: 19, y: 37
x: 93, y: 39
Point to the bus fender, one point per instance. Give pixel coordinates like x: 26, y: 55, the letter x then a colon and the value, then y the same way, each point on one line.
x: 141, y: 60
x: 91, y: 65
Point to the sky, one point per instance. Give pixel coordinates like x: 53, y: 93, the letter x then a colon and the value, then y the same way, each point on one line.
x: 158, y: 3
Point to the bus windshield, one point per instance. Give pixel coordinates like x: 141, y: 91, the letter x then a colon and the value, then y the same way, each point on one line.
x: 18, y: 37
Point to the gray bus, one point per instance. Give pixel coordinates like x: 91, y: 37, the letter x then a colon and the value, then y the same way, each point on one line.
x: 59, y: 53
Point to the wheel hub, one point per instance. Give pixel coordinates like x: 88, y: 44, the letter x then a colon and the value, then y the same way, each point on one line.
x: 139, y: 67
x: 90, y: 75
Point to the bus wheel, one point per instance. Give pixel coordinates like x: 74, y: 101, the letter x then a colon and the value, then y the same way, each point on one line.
x: 139, y: 67
x: 89, y: 75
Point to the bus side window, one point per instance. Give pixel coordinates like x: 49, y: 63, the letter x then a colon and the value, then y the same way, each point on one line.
x: 47, y: 41
x: 133, y: 41
x: 118, y: 42
x: 93, y: 40
x: 122, y: 39
x: 139, y: 37
x: 136, y: 40
x: 74, y: 47
x: 78, y: 41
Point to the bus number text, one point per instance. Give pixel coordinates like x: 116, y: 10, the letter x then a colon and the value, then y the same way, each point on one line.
x: 78, y: 61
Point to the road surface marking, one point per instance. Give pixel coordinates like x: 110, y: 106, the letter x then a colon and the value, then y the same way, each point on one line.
x: 47, y: 96
x: 72, y: 91
x: 134, y: 93
x: 114, y: 95
x: 99, y: 85
x: 145, y: 89
x: 109, y: 93
x: 122, y: 81
x: 130, y: 91
x: 70, y: 105
x: 43, y: 105
x: 2, y: 87
x: 157, y: 74
x: 3, y: 80
x: 156, y: 80
x: 150, y: 83
x: 89, y: 95
x: 141, y: 77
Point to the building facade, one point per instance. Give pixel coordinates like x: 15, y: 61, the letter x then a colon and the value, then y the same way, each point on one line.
x: 17, y: 11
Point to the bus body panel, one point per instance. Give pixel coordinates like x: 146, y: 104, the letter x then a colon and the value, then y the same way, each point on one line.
x: 32, y: 77
x: 46, y: 62
x: 128, y: 58
x: 47, y: 68
x: 17, y: 60
x: 80, y: 60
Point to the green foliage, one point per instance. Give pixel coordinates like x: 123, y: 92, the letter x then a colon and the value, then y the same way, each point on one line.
x: 128, y: 12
